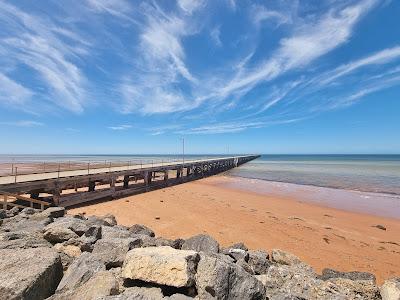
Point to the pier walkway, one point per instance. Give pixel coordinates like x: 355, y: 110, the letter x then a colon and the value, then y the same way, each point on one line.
x: 73, y: 187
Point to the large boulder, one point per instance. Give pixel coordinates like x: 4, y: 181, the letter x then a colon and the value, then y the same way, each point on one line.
x: 390, y: 290
x: 90, y: 237
x: 54, y: 212
x: 112, y: 252
x: 107, y: 220
x: 22, y: 240
x: 201, y: 243
x: 29, y: 273
x: 258, y: 261
x: 138, y: 293
x: 59, y: 234
x: 101, y: 284
x: 353, y: 289
x: 75, y: 224
x: 161, y: 265
x: 120, y: 232
x: 79, y: 272
x: 141, y: 229
x: 284, y: 258
x: 218, y: 278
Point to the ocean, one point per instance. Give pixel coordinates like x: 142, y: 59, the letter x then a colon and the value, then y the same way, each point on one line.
x: 367, y: 173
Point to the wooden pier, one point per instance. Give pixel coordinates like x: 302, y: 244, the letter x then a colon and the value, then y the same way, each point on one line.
x: 74, y: 187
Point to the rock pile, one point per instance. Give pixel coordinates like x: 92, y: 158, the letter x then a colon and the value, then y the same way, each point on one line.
x: 51, y: 255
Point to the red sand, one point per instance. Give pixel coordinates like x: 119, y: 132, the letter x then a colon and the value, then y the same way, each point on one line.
x: 321, y: 236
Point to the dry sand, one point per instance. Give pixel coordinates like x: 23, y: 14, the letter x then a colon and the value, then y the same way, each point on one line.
x: 321, y: 236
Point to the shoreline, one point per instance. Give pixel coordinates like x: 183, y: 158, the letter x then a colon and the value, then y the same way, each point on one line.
x: 324, y: 237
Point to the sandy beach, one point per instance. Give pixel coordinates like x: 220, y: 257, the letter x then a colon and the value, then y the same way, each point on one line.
x: 321, y: 236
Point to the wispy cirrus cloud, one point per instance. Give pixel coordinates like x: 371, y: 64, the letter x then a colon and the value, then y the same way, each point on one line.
x: 12, y: 92
x: 120, y: 127
x: 22, y: 123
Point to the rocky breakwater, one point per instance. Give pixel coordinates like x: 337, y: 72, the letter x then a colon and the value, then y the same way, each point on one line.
x: 51, y: 255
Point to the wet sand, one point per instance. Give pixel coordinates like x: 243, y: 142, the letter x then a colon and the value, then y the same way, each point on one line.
x: 321, y: 236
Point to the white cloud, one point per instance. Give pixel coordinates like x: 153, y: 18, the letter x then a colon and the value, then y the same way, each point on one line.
x: 120, y: 127
x: 31, y: 41
x: 190, y: 6
x: 260, y: 13
x: 118, y: 8
x: 309, y: 42
x: 22, y: 123
x: 12, y: 92
x: 379, y: 58
x: 215, y: 35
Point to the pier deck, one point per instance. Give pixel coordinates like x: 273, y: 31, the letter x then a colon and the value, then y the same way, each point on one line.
x: 73, y: 187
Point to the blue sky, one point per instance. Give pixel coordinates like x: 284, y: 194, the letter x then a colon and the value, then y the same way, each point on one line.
x: 119, y: 76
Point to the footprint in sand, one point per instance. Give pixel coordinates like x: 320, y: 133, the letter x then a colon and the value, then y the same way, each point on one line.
x: 261, y: 222
x: 381, y: 227
x: 296, y: 218
x: 328, y: 228
x: 329, y: 216
x: 253, y: 210
x: 326, y: 240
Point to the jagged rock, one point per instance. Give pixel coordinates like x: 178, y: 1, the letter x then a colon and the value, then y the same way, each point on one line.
x: 26, y: 223
x: 390, y: 290
x: 242, y: 263
x: 107, y: 220
x: 217, y: 278
x: 141, y: 229
x: 138, y: 293
x: 70, y: 250
x: 161, y: 265
x: 23, y: 240
x: 178, y: 297
x: 90, y: 237
x: 177, y: 244
x: 28, y: 211
x: 101, y: 284
x: 115, y: 232
x: 236, y: 254
x: 364, y: 289
x: 3, y: 213
x: 240, y: 245
x: 29, y: 273
x: 77, y: 225
x: 330, y: 274
x: 284, y: 258
x: 54, y: 212
x: 79, y: 272
x: 112, y: 252
x: 258, y: 261
x: 201, y: 243
x: 13, y: 211
x: 59, y: 234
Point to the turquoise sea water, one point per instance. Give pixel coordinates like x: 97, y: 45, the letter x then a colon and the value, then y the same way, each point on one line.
x: 368, y: 173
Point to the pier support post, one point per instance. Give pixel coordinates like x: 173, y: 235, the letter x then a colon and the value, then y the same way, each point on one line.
x: 147, y: 177
x: 166, y: 175
x: 126, y: 181
x: 56, y: 196
x: 92, y: 185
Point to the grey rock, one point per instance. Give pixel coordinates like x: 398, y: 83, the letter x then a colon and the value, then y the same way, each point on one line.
x: 284, y: 258
x: 59, y: 234
x: 161, y: 265
x: 330, y: 274
x: 201, y: 243
x: 3, y: 213
x: 100, y: 285
x: 115, y: 232
x: 217, y: 278
x: 54, y: 212
x: 112, y: 252
x: 240, y: 245
x: 28, y: 211
x: 79, y: 272
x: 258, y: 261
x: 237, y: 254
x: 29, y: 273
x: 242, y: 263
x: 22, y: 240
x: 13, y: 211
x: 90, y: 237
x: 353, y: 289
x: 138, y: 293
x: 178, y: 297
x: 25, y: 223
x: 77, y: 225
x: 177, y: 244
x: 390, y: 290
x: 107, y: 220
x: 141, y: 229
